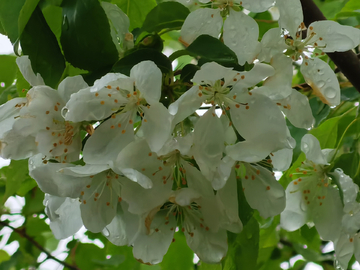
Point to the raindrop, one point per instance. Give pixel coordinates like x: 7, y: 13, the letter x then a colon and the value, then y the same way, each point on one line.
x: 234, y: 43
x: 337, y: 265
x: 320, y: 84
x: 64, y: 111
x: 330, y: 92
x: 156, y: 261
x: 65, y: 23
x: 105, y: 232
x: 303, y: 205
x: 305, y: 147
x: 329, y: 30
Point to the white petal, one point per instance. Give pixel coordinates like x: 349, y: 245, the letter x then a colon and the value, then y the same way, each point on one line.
x: 156, y: 125
x: 250, y: 78
x: 291, y: 15
x: 204, y: 21
x: 347, y: 185
x: 211, y: 72
x: 278, y: 86
x: 241, y: 34
x: 139, y: 164
x: 262, y: 191
x: 311, y: 147
x: 297, y: 109
x: 186, y: 105
x: 258, y: 118
x: 335, y: 37
x: 9, y: 112
x: 15, y: 146
x: 249, y: 151
x: 26, y: 70
x: 52, y: 180
x: 229, y: 199
x: 295, y: 214
x: 109, y: 139
x: 71, y: 85
x: 281, y: 159
x: 351, y: 218
x: 257, y: 6
x: 322, y: 80
x: 208, y: 143
x: 153, y: 242
x: 272, y: 43
x: 64, y: 215
x: 344, y: 249
x: 148, y: 79
x: 327, y: 214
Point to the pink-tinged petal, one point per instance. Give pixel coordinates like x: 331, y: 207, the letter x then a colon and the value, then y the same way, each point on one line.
x: 109, y: 139
x: 204, y: 21
x: 156, y: 125
x: 148, y: 79
x: 322, y: 80
x: 331, y: 36
x: 262, y: 191
x: 241, y: 34
x: 291, y: 15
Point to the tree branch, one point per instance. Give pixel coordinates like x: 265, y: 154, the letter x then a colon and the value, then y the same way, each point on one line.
x: 40, y: 247
x: 347, y: 62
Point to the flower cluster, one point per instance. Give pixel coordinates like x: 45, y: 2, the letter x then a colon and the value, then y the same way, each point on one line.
x: 112, y: 157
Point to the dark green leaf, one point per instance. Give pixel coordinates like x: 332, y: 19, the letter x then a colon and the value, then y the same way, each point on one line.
x: 179, y: 255
x: 243, y: 248
x: 33, y: 202
x: 167, y: 15
x: 136, y: 10
x: 9, y: 13
x: 125, y: 64
x: 188, y: 72
x: 85, y: 36
x: 39, y: 42
x: 87, y: 255
x: 349, y: 94
x: 25, y: 14
x: 212, y: 49
x: 319, y: 110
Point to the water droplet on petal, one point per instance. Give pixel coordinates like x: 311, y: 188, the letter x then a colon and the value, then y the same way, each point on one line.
x: 64, y: 112
x: 105, y: 232
x: 320, y: 84
x: 330, y: 92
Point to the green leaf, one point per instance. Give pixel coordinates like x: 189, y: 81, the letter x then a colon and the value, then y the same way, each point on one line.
x: 39, y: 42
x: 22, y: 85
x: 212, y: 49
x: 264, y: 21
x: 9, y: 13
x: 188, y: 72
x: 85, y: 36
x: 125, y: 64
x: 243, y: 248
x: 179, y: 255
x: 205, y: 266
x: 33, y: 202
x: 167, y: 15
x: 8, y: 69
x: 14, y: 174
x: 53, y: 17
x: 87, y: 255
x: 352, y: 5
x: 350, y: 94
x: 4, y: 256
x: 326, y: 133
x: 25, y: 14
x: 136, y: 10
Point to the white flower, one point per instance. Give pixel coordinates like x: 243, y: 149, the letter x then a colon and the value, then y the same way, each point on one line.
x: 311, y: 197
x: 117, y: 99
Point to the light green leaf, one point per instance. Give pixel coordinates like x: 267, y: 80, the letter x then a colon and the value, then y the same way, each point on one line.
x: 326, y: 133
x: 8, y: 69
x: 206, y: 266
x: 136, y: 10
x: 4, y: 256
x: 179, y: 255
x: 352, y: 5
x: 25, y: 14
x: 9, y: 13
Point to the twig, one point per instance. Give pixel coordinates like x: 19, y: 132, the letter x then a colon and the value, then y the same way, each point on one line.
x: 347, y: 62
x: 36, y: 244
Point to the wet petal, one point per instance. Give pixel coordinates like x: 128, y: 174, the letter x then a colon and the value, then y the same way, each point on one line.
x: 311, y: 147
x: 241, y: 34
x: 205, y: 21
x: 291, y: 15
x: 344, y: 249
x: 272, y: 43
x: 26, y: 70
x: 257, y: 6
x: 322, y: 80
x: 71, y: 85
x: 281, y: 159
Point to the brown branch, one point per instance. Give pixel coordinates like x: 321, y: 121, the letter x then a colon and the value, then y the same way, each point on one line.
x: 22, y: 233
x: 347, y: 62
